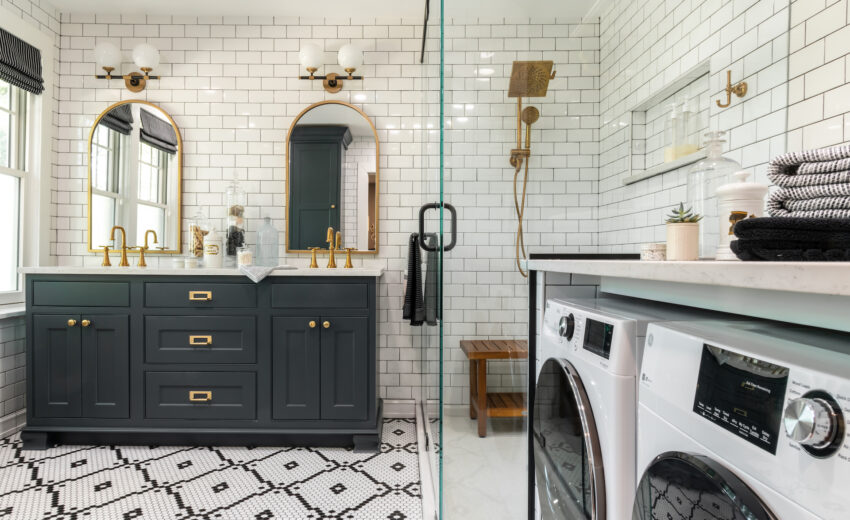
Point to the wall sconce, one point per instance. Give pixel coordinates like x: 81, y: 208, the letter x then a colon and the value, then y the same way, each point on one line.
x: 108, y: 57
x: 349, y: 57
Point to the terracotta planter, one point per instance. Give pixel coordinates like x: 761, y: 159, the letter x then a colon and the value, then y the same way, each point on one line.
x: 683, y: 241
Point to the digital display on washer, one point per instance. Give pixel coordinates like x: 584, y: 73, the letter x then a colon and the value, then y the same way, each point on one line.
x: 597, y: 337
x: 742, y: 394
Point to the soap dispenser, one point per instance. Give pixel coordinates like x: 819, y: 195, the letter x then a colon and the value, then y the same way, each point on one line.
x: 737, y: 201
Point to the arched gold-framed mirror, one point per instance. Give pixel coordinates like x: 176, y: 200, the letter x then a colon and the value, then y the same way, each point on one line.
x: 332, y: 178
x: 135, y: 176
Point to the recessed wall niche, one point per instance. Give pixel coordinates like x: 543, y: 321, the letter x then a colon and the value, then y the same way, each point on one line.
x: 680, y: 108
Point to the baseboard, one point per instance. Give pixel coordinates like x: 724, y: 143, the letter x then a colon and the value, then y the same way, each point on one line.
x: 399, y: 409
x: 12, y: 423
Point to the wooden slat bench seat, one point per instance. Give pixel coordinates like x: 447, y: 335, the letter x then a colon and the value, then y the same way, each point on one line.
x: 494, y: 404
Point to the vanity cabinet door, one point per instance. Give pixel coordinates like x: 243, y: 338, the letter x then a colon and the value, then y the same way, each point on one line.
x: 106, y: 366
x: 295, y: 368
x: 56, y: 369
x: 345, y: 368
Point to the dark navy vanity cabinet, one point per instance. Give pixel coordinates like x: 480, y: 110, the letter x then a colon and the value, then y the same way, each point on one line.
x: 147, y: 359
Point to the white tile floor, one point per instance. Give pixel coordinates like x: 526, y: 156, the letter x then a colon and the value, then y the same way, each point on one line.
x: 213, y: 483
x: 484, y: 478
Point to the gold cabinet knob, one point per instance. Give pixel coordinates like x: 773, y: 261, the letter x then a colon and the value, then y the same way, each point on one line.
x: 312, y: 324
x: 85, y: 323
x: 72, y: 323
x: 326, y: 324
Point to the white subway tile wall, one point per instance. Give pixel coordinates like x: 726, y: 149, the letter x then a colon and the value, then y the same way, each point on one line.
x: 647, y: 45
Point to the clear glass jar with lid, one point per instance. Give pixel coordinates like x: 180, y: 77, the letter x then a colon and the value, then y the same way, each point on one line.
x: 199, y: 226
x: 268, y: 243
x: 703, y: 180
x: 235, y: 231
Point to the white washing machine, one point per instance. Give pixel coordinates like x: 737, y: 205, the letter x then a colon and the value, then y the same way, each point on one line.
x: 743, y: 421
x: 582, y: 424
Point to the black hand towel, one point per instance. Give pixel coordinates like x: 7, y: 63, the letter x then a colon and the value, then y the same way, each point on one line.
x: 789, y: 239
x: 432, y: 310
x: 757, y: 254
x: 414, y: 304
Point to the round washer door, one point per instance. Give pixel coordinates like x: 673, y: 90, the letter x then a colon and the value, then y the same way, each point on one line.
x: 567, y: 455
x: 683, y: 486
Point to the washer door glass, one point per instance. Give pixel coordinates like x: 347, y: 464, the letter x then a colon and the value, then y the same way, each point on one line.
x: 567, y: 456
x: 681, y: 486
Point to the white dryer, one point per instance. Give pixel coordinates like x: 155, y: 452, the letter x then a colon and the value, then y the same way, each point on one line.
x: 582, y: 425
x: 743, y: 420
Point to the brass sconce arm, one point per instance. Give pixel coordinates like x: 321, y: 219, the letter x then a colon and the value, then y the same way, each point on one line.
x: 135, y: 81
x: 739, y: 89
x: 333, y: 81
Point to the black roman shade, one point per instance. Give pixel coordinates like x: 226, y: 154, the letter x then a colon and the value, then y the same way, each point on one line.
x: 119, y: 119
x: 20, y: 63
x: 157, y: 133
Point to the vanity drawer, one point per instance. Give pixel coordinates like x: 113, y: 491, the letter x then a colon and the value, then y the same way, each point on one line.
x: 80, y: 294
x: 200, y: 295
x: 200, y: 395
x: 200, y: 339
x: 320, y: 295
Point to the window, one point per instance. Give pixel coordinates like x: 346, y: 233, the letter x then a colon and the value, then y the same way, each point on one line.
x: 152, y: 193
x: 13, y: 173
x: 108, y: 154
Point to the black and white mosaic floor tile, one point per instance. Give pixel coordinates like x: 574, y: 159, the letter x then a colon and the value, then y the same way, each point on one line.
x: 213, y: 483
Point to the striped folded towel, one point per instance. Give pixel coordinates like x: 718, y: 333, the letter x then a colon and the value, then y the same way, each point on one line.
x: 812, y: 183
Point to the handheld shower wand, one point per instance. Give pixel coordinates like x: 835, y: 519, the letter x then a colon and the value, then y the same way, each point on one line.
x: 528, y: 79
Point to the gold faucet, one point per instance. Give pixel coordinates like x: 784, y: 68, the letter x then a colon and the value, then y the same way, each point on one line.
x: 145, y: 247
x: 124, y: 262
x: 106, y: 262
x: 331, y: 248
x: 348, y: 264
x: 313, y: 263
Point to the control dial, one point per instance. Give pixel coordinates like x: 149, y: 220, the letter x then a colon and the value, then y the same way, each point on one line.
x: 814, y: 422
x: 567, y: 326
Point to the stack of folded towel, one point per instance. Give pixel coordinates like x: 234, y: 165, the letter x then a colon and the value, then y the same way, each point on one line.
x: 814, y: 183
x: 792, y: 239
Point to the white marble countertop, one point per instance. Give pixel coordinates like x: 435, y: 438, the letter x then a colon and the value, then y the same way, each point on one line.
x: 804, y: 277
x: 375, y: 272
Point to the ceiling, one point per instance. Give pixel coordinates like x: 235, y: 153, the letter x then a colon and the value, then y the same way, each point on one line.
x: 335, y: 8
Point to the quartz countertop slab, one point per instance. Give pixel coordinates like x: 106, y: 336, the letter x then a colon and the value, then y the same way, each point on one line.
x: 832, y: 278
x: 375, y: 272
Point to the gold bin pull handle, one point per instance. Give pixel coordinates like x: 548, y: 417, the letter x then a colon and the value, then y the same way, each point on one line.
x: 200, y: 396
x: 200, y: 296
x: 200, y: 340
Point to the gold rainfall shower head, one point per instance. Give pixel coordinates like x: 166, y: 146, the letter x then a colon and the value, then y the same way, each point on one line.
x: 530, y: 78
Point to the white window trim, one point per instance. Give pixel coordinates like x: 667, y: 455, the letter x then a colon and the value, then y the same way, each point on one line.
x: 35, y: 188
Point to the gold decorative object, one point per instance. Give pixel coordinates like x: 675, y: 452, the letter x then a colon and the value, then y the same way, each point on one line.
x: 106, y: 262
x: 373, y: 231
x: 348, y: 264
x: 85, y: 323
x: 312, y: 324
x: 739, y: 89
x: 331, y: 248
x: 326, y: 324
x: 200, y: 296
x: 124, y: 262
x: 72, y: 323
x: 528, y: 79
x: 200, y: 396
x: 200, y: 341
x: 313, y: 263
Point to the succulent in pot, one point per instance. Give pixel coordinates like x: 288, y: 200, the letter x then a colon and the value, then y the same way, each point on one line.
x: 683, y: 234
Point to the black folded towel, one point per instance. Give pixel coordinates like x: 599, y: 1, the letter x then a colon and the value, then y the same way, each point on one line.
x: 792, y: 239
x: 414, y: 303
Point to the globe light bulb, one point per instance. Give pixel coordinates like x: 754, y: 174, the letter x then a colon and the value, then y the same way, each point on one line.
x: 107, y: 55
x: 350, y: 57
x: 146, y: 56
x: 310, y: 57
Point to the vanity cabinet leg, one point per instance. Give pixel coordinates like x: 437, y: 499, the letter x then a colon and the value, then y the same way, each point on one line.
x: 35, y: 441
x: 367, y: 443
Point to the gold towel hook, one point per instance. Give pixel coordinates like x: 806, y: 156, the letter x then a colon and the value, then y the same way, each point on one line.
x: 739, y: 90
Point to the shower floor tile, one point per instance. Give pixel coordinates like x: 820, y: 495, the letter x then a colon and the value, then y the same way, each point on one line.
x: 213, y: 483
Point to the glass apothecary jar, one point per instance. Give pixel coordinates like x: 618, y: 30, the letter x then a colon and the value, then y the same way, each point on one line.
x: 703, y: 180
x: 268, y: 253
x: 236, y: 200
x: 199, y: 226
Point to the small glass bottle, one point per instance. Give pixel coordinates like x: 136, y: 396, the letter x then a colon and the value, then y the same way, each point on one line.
x: 703, y: 180
x: 235, y: 231
x: 268, y: 244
